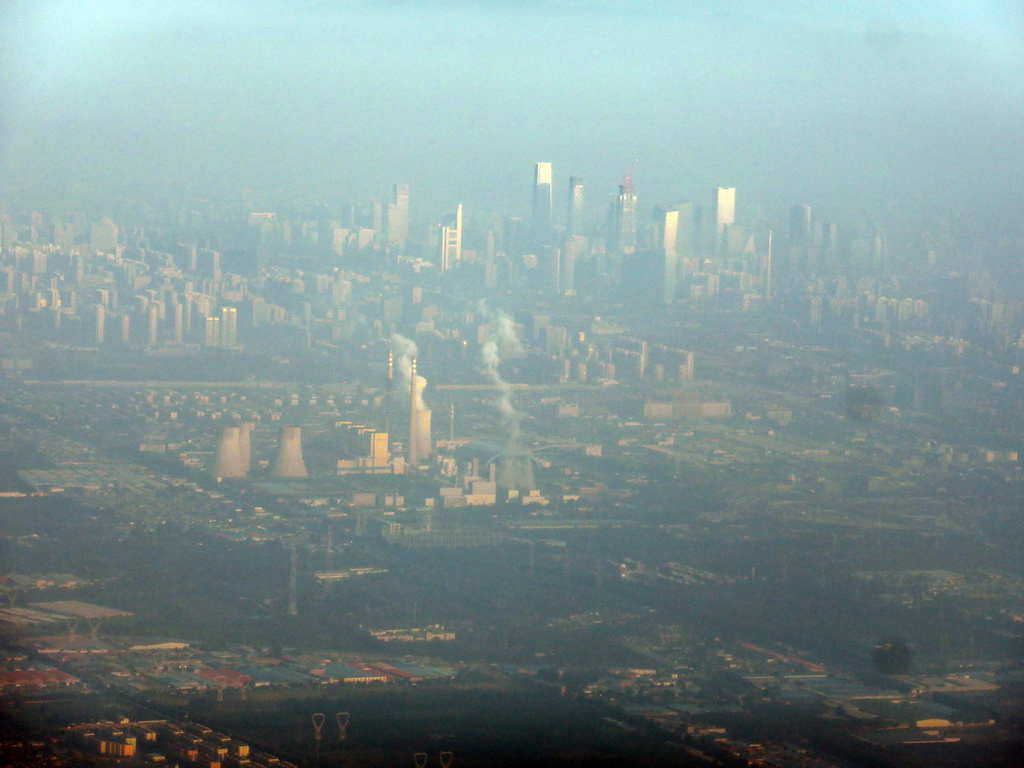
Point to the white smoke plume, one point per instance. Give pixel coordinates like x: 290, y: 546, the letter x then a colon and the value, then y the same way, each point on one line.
x: 502, y: 342
x: 420, y: 385
x: 515, y: 470
x: 404, y: 350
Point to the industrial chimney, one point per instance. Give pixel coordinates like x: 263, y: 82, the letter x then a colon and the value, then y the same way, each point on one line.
x: 289, y: 461
x: 230, y: 462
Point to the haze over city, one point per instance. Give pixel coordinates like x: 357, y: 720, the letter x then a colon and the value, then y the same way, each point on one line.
x: 850, y: 105
x: 554, y: 383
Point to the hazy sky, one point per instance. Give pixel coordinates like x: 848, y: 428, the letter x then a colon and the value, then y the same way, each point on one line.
x: 919, y: 100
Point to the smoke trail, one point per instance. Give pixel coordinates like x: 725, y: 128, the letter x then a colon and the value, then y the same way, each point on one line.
x: 420, y: 385
x: 404, y: 350
x: 502, y: 342
x: 515, y: 470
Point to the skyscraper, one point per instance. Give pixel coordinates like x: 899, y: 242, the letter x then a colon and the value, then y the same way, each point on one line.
x: 668, y: 228
x: 103, y: 236
x: 799, y: 225
x: 228, y: 327
x: 398, y: 217
x: 100, y: 327
x: 725, y: 208
x: 574, y: 218
x: 541, y: 219
x: 622, y: 230
x: 153, y: 323
x: 451, y: 240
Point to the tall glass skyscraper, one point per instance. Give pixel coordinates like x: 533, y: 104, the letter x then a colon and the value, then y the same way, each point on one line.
x: 451, y: 240
x: 574, y: 218
x: 622, y: 234
x: 725, y: 208
x: 541, y: 218
x: 398, y: 217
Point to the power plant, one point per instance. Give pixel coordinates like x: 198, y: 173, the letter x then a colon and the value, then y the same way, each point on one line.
x: 231, y: 460
x: 420, y: 446
x: 288, y: 462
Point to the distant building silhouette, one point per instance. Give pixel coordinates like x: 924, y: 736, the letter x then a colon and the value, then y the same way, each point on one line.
x: 541, y: 214
x: 574, y: 216
x: 451, y: 240
x: 398, y: 217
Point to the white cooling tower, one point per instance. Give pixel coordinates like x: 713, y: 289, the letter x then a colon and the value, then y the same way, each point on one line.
x: 289, y: 461
x: 423, y: 444
x: 245, y: 442
x: 419, y: 447
x: 229, y: 454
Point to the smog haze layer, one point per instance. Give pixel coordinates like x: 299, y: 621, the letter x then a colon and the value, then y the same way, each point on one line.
x: 859, y: 104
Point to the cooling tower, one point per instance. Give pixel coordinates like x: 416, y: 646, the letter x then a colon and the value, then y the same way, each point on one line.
x: 245, y: 443
x: 289, y: 461
x: 419, y: 447
x: 229, y: 454
x: 423, y: 446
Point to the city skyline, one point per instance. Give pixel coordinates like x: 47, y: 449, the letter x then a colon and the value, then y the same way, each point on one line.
x: 804, y: 106
x: 721, y: 458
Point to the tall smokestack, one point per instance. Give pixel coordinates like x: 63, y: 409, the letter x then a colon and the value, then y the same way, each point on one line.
x: 230, y: 462
x: 289, y: 461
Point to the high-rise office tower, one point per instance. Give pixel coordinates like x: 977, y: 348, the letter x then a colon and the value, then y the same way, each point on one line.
x: 880, y: 252
x: 800, y: 225
x: 179, y: 322
x: 153, y: 325
x: 228, y: 327
x: 567, y: 266
x: 668, y: 229
x: 687, y: 231
x: 398, y: 216
x: 101, y: 321
x: 212, y: 337
x: 541, y: 218
x: 451, y: 240
x: 622, y: 230
x: 667, y: 223
x: 725, y: 208
x: 574, y: 217
x: 103, y: 236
